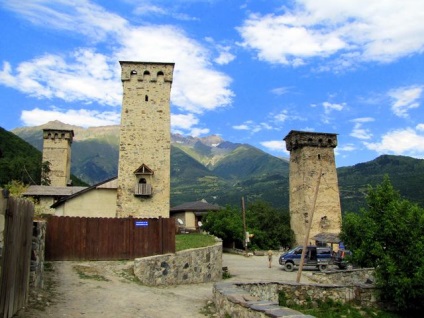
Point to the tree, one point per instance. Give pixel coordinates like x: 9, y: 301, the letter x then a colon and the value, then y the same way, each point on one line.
x: 389, y: 235
x: 226, y: 224
x: 270, y: 227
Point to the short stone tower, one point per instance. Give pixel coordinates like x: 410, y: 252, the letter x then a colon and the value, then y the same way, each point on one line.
x: 311, y: 153
x: 145, y: 140
x: 57, y: 151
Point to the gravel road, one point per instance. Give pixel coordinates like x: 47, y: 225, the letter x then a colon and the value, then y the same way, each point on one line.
x: 108, y: 289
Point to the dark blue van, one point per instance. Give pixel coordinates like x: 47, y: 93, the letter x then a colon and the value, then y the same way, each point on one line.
x: 315, y: 256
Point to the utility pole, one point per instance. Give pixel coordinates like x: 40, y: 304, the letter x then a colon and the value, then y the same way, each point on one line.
x: 243, y: 211
x: 305, y: 245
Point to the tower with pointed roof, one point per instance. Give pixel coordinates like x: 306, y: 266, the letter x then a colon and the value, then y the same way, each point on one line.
x: 145, y: 140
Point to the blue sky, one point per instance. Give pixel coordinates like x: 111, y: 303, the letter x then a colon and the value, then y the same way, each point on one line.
x: 249, y: 71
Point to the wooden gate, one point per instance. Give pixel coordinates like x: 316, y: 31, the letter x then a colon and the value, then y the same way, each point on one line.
x: 15, y: 265
x: 80, y: 238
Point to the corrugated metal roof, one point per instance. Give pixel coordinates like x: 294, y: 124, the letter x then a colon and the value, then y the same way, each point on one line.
x: 197, y: 206
x: 38, y: 190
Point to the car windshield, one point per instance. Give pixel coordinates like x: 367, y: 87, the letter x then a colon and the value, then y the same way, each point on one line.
x: 295, y: 250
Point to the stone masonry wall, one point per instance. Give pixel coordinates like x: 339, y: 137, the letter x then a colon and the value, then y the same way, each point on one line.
x: 57, y: 151
x: 191, y: 266
x: 311, y: 153
x: 254, y: 300
x: 145, y: 138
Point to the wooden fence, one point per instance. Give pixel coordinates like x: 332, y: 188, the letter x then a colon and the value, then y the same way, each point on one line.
x: 15, y: 264
x: 80, y: 238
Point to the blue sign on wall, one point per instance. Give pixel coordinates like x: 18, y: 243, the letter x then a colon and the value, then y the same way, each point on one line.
x: 141, y: 223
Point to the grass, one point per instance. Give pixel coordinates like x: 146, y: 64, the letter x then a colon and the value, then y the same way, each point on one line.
x: 86, y: 272
x: 193, y: 240
x: 332, y: 309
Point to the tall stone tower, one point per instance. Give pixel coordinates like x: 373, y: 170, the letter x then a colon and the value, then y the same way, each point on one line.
x: 145, y: 140
x: 57, y: 151
x: 311, y: 153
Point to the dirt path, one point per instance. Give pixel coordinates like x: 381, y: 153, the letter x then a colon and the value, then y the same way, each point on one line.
x: 108, y: 289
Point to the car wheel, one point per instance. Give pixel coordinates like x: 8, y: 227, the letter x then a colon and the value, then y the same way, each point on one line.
x: 289, y: 267
x: 322, y: 267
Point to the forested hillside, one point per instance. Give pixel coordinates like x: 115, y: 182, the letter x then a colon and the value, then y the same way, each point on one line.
x: 222, y: 172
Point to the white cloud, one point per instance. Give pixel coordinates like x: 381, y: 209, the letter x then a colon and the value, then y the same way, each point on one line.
x: 225, y: 56
x: 80, y: 16
x: 400, y: 142
x: 253, y: 127
x: 405, y: 99
x: 275, y: 145
x: 348, y: 31
x: 280, y: 90
x: 87, y: 76
x: 358, y: 131
x: 420, y: 127
x: 329, y: 107
x: 347, y: 147
x: 185, y: 124
x: 80, y: 117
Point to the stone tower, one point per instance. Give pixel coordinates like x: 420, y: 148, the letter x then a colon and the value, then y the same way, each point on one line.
x: 145, y: 140
x: 311, y: 153
x: 57, y: 151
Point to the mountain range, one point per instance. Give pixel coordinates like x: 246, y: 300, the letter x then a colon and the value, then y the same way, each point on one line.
x: 222, y: 172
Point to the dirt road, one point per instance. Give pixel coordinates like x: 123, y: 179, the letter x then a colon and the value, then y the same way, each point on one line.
x: 108, y: 289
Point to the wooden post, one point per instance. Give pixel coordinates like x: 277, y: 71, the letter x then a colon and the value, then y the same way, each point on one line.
x: 305, y: 245
x: 243, y: 211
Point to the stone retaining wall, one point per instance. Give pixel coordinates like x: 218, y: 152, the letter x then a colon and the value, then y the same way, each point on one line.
x: 191, y: 266
x: 345, y: 277
x: 232, y: 301
x: 260, y: 299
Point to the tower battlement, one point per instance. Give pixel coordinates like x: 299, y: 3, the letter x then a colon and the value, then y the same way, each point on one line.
x: 299, y: 139
x: 147, y: 72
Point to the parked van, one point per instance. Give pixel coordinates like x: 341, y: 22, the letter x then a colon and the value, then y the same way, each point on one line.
x: 315, y: 256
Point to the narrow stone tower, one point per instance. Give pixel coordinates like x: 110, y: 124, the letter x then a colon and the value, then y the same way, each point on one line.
x: 145, y: 140
x: 57, y: 151
x: 311, y: 153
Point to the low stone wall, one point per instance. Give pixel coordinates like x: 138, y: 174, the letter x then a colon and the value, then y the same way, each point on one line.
x: 233, y: 301
x: 260, y: 299
x: 345, y: 277
x: 191, y: 266
x: 302, y: 294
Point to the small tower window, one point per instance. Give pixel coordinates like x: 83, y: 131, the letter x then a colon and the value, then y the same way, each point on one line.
x: 146, y: 76
x: 319, y: 157
x: 133, y: 72
x: 146, y: 98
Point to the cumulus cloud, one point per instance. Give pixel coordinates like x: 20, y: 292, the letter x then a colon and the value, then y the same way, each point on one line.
x: 275, y: 145
x: 78, y: 16
x: 349, y: 31
x: 359, y: 131
x: 400, y: 142
x: 405, y: 99
x: 253, y: 127
x: 185, y: 124
x: 80, y: 117
x: 329, y: 107
x: 90, y: 77
x: 85, y: 76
